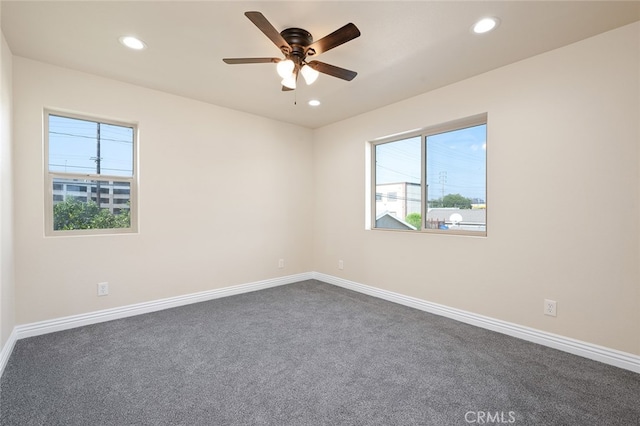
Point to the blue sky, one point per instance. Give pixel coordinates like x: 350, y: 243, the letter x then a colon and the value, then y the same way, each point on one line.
x: 456, y: 162
x: 73, y: 143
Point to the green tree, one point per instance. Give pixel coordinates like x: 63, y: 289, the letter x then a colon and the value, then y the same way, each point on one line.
x: 456, y: 200
x: 123, y: 219
x: 435, y: 203
x: 414, y: 219
x: 73, y: 214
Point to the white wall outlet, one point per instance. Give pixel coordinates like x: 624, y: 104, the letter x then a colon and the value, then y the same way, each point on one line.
x: 281, y: 263
x: 550, y: 307
x: 103, y: 289
x: 340, y: 264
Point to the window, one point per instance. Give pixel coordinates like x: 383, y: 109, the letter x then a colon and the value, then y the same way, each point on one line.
x: 103, y: 201
x: 75, y: 188
x: 86, y: 157
x: 434, y: 179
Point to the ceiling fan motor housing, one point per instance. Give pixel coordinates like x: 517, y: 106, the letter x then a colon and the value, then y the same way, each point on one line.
x: 298, y: 39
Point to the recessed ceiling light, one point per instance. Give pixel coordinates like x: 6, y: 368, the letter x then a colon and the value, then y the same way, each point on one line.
x: 485, y: 25
x: 314, y: 102
x: 132, y: 42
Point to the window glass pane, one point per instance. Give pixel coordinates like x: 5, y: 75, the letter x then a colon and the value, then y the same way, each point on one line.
x: 116, y: 150
x: 456, y: 179
x: 398, y: 193
x: 75, y: 205
x: 89, y: 147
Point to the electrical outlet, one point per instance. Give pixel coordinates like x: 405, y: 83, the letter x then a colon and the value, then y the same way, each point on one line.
x: 550, y: 307
x: 340, y: 264
x: 281, y: 263
x: 103, y: 289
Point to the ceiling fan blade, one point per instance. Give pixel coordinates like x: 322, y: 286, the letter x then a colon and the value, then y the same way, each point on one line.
x: 286, y: 89
x: 265, y: 26
x: 335, y: 39
x: 234, y: 61
x: 332, y: 70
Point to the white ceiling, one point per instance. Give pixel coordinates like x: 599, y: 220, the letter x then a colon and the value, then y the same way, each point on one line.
x: 406, y: 47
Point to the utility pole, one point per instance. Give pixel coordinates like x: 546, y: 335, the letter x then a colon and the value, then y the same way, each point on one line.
x: 98, y: 165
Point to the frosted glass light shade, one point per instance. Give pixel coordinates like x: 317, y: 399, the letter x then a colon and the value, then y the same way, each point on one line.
x: 285, y: 68
x: 289, y: 82
x: 310, y: 75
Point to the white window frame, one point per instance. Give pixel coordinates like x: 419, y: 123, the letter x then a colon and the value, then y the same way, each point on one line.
x: 475, y: 120
x: 50, y: 176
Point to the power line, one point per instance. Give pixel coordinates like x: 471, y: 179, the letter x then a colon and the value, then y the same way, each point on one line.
x: 398, y: 172
x: 91, y: 168
x: 89, y: 137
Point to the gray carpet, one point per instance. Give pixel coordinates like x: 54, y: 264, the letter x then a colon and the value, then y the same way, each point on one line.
x: 305, y: 354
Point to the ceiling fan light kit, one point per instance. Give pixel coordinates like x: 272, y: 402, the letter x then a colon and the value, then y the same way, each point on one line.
x: 289, y: 82
x: 285, y: 68
x: 296, y: 45
x: 309, y: 74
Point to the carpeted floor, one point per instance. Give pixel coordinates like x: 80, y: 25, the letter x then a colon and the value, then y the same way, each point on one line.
x: 305, y: 354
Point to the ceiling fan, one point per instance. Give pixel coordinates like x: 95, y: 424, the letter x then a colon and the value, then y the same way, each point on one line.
x: 296, y: 45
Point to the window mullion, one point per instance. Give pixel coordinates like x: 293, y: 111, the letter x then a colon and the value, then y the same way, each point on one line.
x: 423, y: 187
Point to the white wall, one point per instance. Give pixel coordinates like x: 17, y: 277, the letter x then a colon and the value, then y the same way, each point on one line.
x: 7, y: 316
x: 563, y: 196
x: 223, y: 196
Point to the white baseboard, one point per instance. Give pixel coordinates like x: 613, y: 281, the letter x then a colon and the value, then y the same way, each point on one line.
x: 602, y: 354
x: 59, y: 324
x: 5, y: 353
x: 598, y: 353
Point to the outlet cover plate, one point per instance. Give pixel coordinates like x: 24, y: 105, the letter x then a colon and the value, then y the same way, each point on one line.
x: 550, y: 307
x: 103, y: 289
